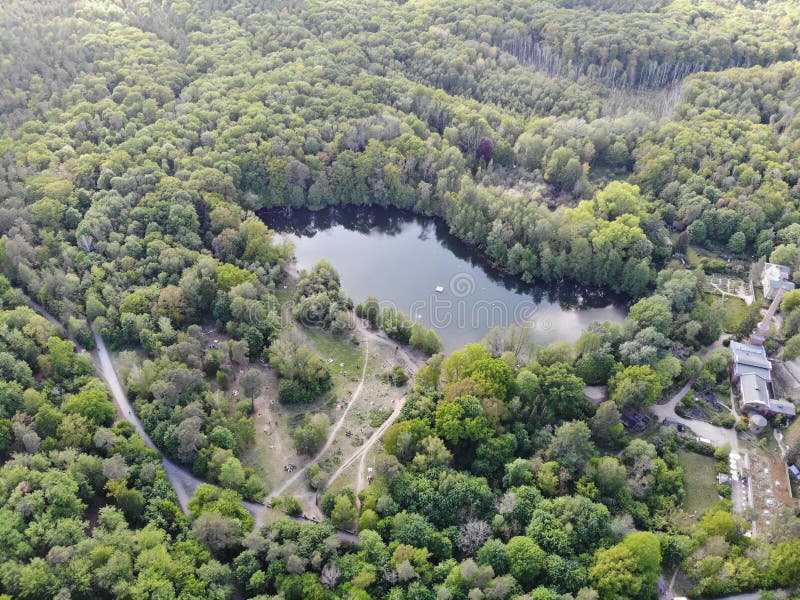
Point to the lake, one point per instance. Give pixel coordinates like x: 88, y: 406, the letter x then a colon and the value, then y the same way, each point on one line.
x: 403, y: 259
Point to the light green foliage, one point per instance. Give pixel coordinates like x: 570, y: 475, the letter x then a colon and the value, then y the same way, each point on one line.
x: 139, y: 138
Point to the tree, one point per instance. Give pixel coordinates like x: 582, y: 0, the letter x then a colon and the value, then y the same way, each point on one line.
x: 595, y: 368
x: 252, y: 382
x: 472, y: 536
x: 93, y: 403
x: 748, y: 322
x: 614, y: 574
x: 636, y: 386
x: 231, y: 474
x: 628, y: 570
x: 652, y: 312
x: 564, y: 169
x: 791, y: 300
x: 461, y: 419
x: 609, y: 475
x: 607, y: 428
x: 525, y: 559
x: 494, y: 376
x: 572, y: 446
x: 132, y: 503
x: 560, y: 393
x: 344, y: 512
x: 784, y: 564
x: 737, y: 243
x: 218, y: 532
x: 370, y: 310
x: 310, y: 436
x: 424, y: 339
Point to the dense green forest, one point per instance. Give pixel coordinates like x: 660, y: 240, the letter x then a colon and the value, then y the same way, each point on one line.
x: 591, y: 140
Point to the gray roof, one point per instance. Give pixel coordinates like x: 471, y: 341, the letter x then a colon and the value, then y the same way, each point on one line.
x: 755, y: 392
x: 787, y: 285
x: 783, y: 407
x: 751, y: 360
x: 756, y: 395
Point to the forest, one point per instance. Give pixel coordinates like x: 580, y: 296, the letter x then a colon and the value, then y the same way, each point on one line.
x: 596, y: 141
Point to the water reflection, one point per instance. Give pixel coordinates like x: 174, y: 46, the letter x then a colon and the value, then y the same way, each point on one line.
x: 402, y: 258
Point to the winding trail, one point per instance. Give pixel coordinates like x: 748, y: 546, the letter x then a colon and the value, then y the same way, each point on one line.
x: 331, y: 436
x: 412, y: 364
x: 182, y: 480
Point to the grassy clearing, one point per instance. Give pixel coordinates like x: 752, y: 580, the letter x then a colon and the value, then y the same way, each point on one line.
x: 348, y: 357
x: 735, y: 311
x: 700, y: 481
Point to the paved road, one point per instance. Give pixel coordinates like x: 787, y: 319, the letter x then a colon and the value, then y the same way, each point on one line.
x: 719, y: 436
x: 182, y: 480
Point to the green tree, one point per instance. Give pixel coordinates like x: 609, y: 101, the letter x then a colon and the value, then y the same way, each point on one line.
x: 93, y: 403
x: 636, y: 386
x: 310, y: 436
x: 525, y: 559
x: 572, y: 446
x: 652, y: 312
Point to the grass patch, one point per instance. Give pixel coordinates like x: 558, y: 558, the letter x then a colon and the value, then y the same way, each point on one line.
x: 700, y: 482
x: 378, y: 417
x: 340, y: 349
x: 734, y: 311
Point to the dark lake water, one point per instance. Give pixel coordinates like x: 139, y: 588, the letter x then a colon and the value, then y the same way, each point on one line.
x: 401, y: 259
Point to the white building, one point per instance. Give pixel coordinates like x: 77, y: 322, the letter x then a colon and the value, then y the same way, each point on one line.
x: 775, y: 277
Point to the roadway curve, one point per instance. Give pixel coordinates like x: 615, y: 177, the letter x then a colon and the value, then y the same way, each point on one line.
x: 717, y: 435
x: 182, y: 480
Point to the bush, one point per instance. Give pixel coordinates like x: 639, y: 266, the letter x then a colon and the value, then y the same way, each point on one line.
x: 396, y: 376
x: 291, y: 506
x: 377, y: 417
x: 292, y: 392
x: 690, y: 443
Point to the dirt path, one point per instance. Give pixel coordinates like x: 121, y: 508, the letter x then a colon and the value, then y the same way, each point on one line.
x: 331, y: 436
x: 183, y: 482
x: 363, y: 450
x: 412, y: 363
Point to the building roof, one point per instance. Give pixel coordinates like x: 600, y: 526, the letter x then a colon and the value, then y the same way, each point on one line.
x: 757, y: 395
x: 783, y: 407
x: 775, y: 271
x: 749, y: 359
x: 776, y: 277
x: 754, y: 390
x: 786, y: 285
